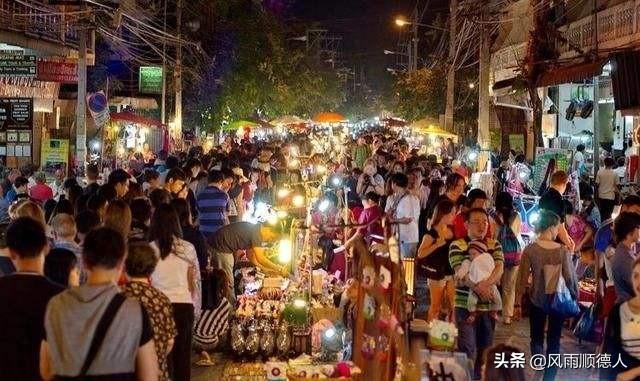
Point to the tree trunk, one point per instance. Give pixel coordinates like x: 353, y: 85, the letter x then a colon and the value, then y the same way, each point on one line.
x: 536, y: 105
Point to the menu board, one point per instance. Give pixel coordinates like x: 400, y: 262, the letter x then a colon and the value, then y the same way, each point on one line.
x: 16, y: 114
x: 16, y: 124
x: 17, y: 65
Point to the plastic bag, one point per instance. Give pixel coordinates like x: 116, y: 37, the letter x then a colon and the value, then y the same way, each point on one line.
x: 561, y: 303
x: 584, y: 327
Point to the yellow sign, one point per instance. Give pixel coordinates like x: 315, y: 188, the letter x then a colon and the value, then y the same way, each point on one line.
x: 54, y: 155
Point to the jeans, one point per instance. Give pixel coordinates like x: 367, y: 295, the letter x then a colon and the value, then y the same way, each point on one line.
x: 474, y: 338
x: 537, y: 320
x: 225, y: 263
x: 508, y: 282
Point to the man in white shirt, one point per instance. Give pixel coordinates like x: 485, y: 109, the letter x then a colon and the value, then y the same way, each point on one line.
x: 403, y: 210
x: 579, y: 160
x: 607, y: 181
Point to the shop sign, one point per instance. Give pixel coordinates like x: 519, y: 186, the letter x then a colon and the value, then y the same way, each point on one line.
x: 150, y: 80
x: 52, y: 71
x: 98, y: 107
x: 54, y: 155
x: 16, y: 113
x: 18, y: 65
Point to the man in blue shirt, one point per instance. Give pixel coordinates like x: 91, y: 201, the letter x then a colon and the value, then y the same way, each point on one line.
x: 18, y: 190
x: 213, y: 204
x: 604, y: 235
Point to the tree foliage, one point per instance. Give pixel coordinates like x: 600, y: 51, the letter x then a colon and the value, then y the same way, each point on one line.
x: 266, y: 75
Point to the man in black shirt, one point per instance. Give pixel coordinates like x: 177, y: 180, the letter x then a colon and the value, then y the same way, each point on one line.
x: 552, y: 200
x: 229, y: 239
x: 24, y: 297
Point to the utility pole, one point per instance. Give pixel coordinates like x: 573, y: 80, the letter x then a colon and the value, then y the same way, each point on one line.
x: 484, y: 104
x: 178, y: 77
x: 81, y: 122
x: 414, y: 51
x: 451, y: 75
x: 163, y: 103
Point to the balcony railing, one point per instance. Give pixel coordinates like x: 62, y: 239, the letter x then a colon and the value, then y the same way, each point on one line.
x: 39, y: 20
x: 617, y: 26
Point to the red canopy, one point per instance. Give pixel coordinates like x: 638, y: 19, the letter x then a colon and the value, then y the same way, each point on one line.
x: 133, y: 118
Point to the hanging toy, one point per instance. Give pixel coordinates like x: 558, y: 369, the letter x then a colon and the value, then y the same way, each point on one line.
x: 383, y: 348
x: 368, y: 347
x: 369, y: 310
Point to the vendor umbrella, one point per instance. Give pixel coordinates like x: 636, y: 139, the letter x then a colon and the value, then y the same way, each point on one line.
x: 329, y: 117
x: 428, y: 126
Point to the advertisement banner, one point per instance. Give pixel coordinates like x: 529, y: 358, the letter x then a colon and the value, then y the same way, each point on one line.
x: 17, y: 65
x: 54, y: 155
x: 16, y: 114
x: 52, y: 71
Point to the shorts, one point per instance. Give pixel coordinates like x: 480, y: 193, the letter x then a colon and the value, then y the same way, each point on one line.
x: 440, y: 282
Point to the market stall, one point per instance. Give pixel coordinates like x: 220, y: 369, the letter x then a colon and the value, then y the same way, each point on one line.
x: 126, y: 135
x: 427, y: 135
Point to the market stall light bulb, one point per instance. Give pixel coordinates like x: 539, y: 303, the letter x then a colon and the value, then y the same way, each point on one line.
x: 298, y: 201
x: 329, y: 333
x: 283, y: 192
x: 299, y: 303
x: 336, y: 181
x: 473, y: 155
x: 272, y: 219
x: 534, y: 217
x: 282, y: 214
x: 324, y: 205
x: 285, y: 251
x: 96, y: 145
x: 321, y: 169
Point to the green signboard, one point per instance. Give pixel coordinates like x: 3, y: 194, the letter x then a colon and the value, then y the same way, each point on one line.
x: 150, y: 80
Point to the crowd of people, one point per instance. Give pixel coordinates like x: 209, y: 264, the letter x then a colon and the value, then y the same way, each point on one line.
x: 124, y: 276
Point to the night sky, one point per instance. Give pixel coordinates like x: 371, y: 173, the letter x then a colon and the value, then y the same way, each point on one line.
x: 367, y: 28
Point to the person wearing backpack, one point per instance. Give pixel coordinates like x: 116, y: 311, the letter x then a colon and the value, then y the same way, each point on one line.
x: 94, y: 331
x: 508, y: 228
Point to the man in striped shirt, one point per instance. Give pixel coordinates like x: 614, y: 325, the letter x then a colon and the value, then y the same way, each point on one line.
x: 475, y: 335
x: 213, y: 204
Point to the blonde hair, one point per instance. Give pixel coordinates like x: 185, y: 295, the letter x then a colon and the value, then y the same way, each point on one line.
x: 64, y: 225
x: 29, y: 209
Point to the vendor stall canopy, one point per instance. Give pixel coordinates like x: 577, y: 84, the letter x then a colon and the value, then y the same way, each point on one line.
x: 329, y: 117
x: 239, y: 125
x: 288, y: 120
x: 429, y: 126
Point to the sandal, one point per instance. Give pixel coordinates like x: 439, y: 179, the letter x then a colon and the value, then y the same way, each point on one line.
x: 205, y: 360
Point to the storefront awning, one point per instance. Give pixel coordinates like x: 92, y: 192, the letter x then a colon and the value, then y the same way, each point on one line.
x: 572, y: 73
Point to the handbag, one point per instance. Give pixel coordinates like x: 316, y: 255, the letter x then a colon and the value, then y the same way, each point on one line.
x: 98, y: 336
x: 561, y: 303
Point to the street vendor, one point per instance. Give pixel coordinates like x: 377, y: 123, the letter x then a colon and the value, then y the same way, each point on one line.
x: 230, y: 239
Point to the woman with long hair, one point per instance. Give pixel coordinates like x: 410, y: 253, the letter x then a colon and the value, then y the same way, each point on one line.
x: 433, y: 258
x: 61, y: 266
x: 190, y: 233
x: 508, y: 229
x: 118, y: 217
x: 177, y: 275
x: 545, y: 260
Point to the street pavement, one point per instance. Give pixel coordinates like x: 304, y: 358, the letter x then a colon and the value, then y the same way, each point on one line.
x: 516, y: 334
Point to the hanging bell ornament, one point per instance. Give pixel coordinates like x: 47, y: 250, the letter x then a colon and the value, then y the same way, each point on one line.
x: 268, y: 343
x: 253, y: 339
x: 283, y: 340
x: 237, y: 338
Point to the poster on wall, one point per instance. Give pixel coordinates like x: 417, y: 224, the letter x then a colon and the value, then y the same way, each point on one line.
x: 54, y: 155
x: 548, y: 161
x: 495, y: 141
x: 16, y: 113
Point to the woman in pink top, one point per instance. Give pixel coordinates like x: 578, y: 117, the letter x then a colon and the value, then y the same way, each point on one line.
x: 579, y: 230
